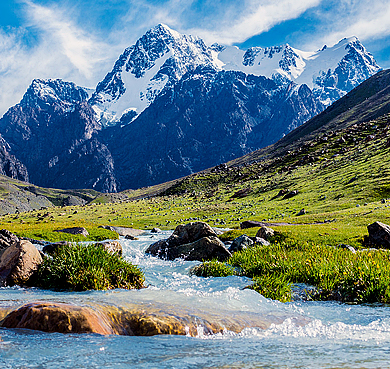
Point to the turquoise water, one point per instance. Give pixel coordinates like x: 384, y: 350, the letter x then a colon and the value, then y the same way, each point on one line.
x: 333, y: 335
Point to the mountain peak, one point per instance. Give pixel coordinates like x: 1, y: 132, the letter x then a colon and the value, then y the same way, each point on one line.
x: 44, y: 92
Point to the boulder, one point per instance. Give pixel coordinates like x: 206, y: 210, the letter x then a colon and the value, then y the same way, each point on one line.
x: 130, y: 237
x: 241, y: 243
x: 250, y: 224
x: 58, y: 317
x: 74, y: 230
x: 206, y: 248
x: 7, y: 239
x: 301, y: 212
x: 18, y: 263
x: 156, y: 230
x: 51, y: 248
x: 260, y: 241
x: 113, y: 247
x: 346, y: 247
x: 124, y: 231
x: 379, y: 234
x: 193, y: 241
x: 290, y: 194
x: 265, y: 233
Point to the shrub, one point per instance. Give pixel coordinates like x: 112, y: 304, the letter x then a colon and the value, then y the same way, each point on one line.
x: 81, y: 268
x: 213, y: 269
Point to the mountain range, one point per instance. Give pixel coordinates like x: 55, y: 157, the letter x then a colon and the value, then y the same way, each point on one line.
x: 171, y: 106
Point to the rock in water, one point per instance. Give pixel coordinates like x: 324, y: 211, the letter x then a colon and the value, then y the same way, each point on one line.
x: 57, y: 317
x: 206, y: 248
x: 379, y: 234
x: 114, y: 247
x: 18, y: 263
x: 193, y: 241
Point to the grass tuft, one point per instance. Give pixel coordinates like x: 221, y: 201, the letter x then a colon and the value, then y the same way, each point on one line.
x: 91, y: 267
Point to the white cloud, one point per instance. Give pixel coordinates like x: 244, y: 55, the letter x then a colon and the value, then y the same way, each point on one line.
x: 257, y: 17
x: 62, y: 50
x: 366, y: 19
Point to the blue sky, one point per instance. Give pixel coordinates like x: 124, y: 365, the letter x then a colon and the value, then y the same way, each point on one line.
x: 79, y: 40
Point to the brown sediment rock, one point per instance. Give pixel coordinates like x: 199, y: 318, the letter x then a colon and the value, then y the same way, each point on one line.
x: 57, y: 317
x: 131, y: 320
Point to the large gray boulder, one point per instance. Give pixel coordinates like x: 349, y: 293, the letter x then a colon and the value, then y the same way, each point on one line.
x: 240, y: 243
x: 379, y: 234
x: 18, y: 263
x: 193, y: 241
x: 265, y: 233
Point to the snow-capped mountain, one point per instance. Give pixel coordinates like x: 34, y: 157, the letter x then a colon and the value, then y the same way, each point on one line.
x: 162, y: 56
x: 330, y: 72
x: 195, y: 105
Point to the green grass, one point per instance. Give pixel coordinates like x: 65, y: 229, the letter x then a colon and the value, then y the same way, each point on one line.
x: 81, y: 268
x: 337, y: 273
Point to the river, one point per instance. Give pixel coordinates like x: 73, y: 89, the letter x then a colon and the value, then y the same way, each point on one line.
x: 299, y: 334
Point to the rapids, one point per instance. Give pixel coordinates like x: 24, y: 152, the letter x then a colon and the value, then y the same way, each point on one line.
x: 299, y: 334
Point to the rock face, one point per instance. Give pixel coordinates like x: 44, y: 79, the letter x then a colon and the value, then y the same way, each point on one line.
x: 379, y: 234
x: 53, y: 132
x: 7, y: 239
x: 18, y: 263
x: 193, y: 241
x: 256, y: 112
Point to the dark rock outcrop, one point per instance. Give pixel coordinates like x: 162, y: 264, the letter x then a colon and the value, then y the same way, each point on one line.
x: 250, y: 224
x: 74, y: 230
x: 193, y: 241
x: 379, y: 234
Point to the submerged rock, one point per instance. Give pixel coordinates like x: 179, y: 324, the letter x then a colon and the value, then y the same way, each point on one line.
x: 132, y: 320
x: 57, y: 317
x: 18, y: 263
x: 193, y: 241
